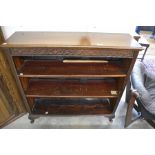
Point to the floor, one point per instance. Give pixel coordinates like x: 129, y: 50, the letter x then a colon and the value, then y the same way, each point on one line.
x: 85, y: 122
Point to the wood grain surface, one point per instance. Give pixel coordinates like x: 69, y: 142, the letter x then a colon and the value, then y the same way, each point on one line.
x: 10, y: 98
x: 71, y: 88
x: 72, y: 106
x: 72, y: 39
x: 48, y: 68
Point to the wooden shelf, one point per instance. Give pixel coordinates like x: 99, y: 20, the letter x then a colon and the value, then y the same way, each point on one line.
x: 71, y: 106
x: 50, y: 69
x: 72, y: 88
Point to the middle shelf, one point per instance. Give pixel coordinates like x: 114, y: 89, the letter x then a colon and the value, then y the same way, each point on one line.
x: 72, y: 88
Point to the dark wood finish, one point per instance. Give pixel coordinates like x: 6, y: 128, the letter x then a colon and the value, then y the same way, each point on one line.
x: 80, y: 66
x: 24, y: 82
x: 131, y: 104
x: 125, y: 81
x: 111, y: 52
x: 47, y: 68
x: 128, y: 88
x: 30, y: 102
x: 128, y: 119
x: 72, y: 106
x: 18, y: 62
x: 72, y: 88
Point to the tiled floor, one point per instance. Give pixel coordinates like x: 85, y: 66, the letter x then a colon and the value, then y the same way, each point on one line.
x: 87, y: 121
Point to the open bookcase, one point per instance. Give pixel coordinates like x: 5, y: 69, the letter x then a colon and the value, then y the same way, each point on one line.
x: 71, y: 78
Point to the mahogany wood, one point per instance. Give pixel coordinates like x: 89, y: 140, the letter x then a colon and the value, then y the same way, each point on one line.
x: 72, y: 39
x: 67, y: 51
x: 47, y: 68
x: 71, y: 88
x: 18, y: 62
x: 67, y: 81
x: 72, y: 106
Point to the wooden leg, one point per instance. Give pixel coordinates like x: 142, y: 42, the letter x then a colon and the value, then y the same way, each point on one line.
x: 32, y: 118
x: 128, y: 88
x: 32, y: 121
x: 111, y: 118
x: 128, y: 119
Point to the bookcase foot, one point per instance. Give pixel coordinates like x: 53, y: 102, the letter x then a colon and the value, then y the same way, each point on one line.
x: 31, y: 121
x: 32, y: 118
x: 111, y: 118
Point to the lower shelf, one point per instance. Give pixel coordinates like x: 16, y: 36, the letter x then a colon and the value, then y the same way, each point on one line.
x: 87, y: 106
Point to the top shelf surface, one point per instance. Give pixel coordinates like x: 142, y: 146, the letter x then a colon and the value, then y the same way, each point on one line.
x: 72, y: 39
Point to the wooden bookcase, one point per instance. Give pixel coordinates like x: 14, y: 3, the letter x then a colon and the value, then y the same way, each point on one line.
x: 71, y: 73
